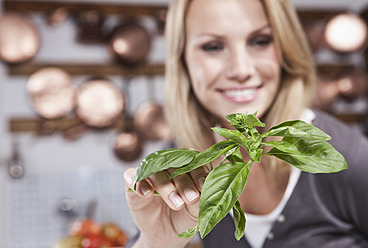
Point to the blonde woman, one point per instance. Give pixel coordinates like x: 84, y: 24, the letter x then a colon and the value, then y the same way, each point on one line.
x: 234, y: 56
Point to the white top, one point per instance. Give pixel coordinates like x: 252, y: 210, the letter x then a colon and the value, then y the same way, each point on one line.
x: 258, y: 227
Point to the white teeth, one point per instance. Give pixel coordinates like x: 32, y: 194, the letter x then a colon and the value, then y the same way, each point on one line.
x: 240, y: 93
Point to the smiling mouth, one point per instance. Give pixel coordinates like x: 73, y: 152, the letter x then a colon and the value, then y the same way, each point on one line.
x: 241, y: 95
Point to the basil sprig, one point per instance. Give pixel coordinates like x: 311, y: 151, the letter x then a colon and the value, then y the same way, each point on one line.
x: 303, y: 146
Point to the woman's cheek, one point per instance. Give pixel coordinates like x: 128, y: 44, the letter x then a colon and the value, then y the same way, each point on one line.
x: 269, y: 70
x: 205, y: 71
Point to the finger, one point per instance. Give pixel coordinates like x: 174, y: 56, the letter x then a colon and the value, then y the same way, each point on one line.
x: 167, y: 190
x: 143, y: 187
x: 186, y: 187
x: 199, y: 175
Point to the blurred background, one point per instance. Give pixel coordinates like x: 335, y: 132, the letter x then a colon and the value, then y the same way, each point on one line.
x: 81, y: 87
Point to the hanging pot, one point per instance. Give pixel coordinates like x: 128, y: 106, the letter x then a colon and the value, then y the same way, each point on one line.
x: 353, y: 85
x: 19, y: 38
x: 160, y: 18
x: 150, y: 122
x: 51, y: 92
x: 327, y: 91
x: 90, y: 23
x: 346, y: 32
x: 57, y: 16
x: 130, y: 43
x: 128, y: 146
x: 99, y: 103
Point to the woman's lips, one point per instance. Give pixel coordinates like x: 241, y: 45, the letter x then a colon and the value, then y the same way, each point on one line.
x: 241, y: 95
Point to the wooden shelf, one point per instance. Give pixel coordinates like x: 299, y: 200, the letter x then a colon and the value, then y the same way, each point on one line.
x: 90, y: 69
x: 39, y: 125
x: 73, y: 7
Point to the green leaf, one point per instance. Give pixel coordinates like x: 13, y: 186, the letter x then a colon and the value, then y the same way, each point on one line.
x: 239, y: 219
x: 220, y: 191
x: 233, y: 135
x: 250, y: 145
x: 244, y: 121
x: 205, y: 157
x: 189, y: 233
x: 233, y: 158
x: 162, y: 160
x: 297, y: 129
x: 314, y: 156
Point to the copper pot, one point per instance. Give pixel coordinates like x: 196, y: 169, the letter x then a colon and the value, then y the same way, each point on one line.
x: 100, y: 103
x: 57, y: 16
x: 150, y: 122
x: 128, y: 146
x: 19, y: 38
x: 52, y: 92
x: 130, y: 43
x: 160, y: 18
x: 90, y: 23
x: 353, y: 85
x: 327, y: 91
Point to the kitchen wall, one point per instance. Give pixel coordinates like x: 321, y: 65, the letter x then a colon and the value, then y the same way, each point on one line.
x: 80, y: 170
x: 55, y: 168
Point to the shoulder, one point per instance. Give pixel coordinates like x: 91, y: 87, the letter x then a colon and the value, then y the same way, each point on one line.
x: 341, y: 192
x: 348, y: 141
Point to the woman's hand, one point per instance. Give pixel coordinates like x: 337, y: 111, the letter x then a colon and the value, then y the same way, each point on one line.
x: 161, y: 218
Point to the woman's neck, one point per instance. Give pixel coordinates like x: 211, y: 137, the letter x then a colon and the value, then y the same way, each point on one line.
x: 263, y: 193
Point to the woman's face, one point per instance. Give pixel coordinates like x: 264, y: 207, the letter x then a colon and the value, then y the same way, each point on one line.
x: 231, y: 56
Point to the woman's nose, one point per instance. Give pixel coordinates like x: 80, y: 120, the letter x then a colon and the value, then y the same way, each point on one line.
x: 241, y: 67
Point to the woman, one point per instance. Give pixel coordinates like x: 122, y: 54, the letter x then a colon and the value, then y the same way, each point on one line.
x: 246, y: 56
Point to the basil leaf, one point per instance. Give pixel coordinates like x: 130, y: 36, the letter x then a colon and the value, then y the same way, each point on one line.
x: 205, y: 157
x: 251, y: 145
x: 233, y: 158
x: 314, y: 156
x: 239, y: 219
x: 296, y: 129
x: 243, y: 122
x: 189, y: 233
x: 221, y: 190
x: 162, y: 160
x: 233, y: 135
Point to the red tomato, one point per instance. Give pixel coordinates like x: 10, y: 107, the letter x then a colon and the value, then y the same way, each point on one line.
x: 85, y: 227
x: 92, y: 241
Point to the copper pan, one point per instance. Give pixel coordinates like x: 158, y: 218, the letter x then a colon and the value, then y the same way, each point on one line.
x: 19, y: 38
x: 128, y: 146
x: 99, y: 103
x: 130, y: 43
x: 52, y: 92
x: 150, y: 122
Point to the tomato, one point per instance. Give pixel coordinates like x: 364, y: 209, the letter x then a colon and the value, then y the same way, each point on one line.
x: 110, y: 231
x: 122, y: 239
x: 92, y: 241
x: 114, y: 233
x: 85, y: 227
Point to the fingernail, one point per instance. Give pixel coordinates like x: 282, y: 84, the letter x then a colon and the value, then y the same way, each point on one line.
x: 176, y: 200
x: 128, y: 180
x: 190, y: 194
x: 201, y: 182
x: 145, y: 190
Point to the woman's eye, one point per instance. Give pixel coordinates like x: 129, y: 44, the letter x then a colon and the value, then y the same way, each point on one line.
x: 212, y: 47
x: 261, y: 41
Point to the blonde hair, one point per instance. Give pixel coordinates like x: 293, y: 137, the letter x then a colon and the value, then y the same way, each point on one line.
x: 190, y: 122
